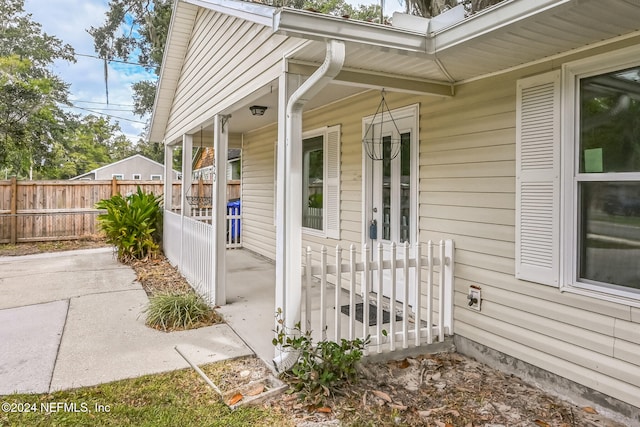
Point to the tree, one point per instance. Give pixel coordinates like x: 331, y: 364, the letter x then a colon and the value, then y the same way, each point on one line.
x: 89, y: 143
x: 30, y: 117
x: 135, y: 30
x: 431, y: 8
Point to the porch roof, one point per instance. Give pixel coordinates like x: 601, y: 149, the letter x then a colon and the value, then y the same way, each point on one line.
x: 507, y: 35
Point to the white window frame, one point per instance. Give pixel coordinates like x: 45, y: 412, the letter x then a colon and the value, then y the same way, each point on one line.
x: 156, y: 177
x: 312, y: 134
x: 117, y: 176
x: 327, y: 183
x: 137, y: 177
x: 572, y: 73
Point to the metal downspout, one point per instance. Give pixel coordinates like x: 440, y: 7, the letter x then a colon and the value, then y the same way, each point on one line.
x: 333, y: 62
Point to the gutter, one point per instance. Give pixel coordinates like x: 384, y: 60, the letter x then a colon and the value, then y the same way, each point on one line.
x: 333, y: 62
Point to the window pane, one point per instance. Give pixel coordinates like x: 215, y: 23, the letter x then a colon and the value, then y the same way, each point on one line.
x: 312, y: 173
x: 405, y: 186
x: 386, y: 188
x: 609, y: 244
x: 610, y: 122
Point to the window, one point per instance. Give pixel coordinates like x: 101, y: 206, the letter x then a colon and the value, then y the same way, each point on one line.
x: 606, y: 183
x: 581, y: 216
x: 321, y: 181
x: 137, y: 176
x: 158, y: 177
x: 313, y: 182
x: 117, y: 176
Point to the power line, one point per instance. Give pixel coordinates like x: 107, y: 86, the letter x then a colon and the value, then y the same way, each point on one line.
x: 109, y: 115
x: 115, y: 60
x: 102, y: 103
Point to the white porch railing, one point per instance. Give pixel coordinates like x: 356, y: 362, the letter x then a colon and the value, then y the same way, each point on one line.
x: 429, y: 272
x: 234, y: 219
x: 188, y: 244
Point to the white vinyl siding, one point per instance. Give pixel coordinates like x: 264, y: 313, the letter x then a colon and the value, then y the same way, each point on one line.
x: 208, y: 68
x: 258, y: 192
x: 468, y: 194
x: 538, y: 178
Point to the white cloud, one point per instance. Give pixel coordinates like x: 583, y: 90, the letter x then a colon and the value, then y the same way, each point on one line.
x: 69, y: 20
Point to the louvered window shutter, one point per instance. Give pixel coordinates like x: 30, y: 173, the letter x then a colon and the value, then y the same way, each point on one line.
x: 538, y: 179
x: 332, y: 186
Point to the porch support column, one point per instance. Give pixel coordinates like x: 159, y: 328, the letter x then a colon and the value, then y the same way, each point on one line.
x: 219, y: 211
x: 168, y: 177
x: 289, y: 251
x: 187, y: 155
x: 187, y: 145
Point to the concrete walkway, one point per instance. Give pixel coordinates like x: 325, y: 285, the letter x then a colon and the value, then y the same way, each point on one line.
x: 72, y: 319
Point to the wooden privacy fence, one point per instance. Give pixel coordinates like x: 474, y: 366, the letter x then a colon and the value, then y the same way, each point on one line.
x: 63, y: 210
x: 398, y: 296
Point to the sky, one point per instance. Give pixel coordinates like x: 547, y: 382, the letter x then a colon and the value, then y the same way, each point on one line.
x: 68, y: 21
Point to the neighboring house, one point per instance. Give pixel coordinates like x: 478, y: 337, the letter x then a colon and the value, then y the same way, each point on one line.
x: 203, y: 164
x: 517, y: 130
x: 136, y: 167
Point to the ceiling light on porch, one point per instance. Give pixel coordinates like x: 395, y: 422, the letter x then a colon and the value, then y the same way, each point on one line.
x: 377, y: 145
x: 257, y: 110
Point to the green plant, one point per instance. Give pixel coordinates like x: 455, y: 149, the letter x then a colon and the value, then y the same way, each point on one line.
x: 130, y: 223
x: 179, y: 311
x: 322, y: 369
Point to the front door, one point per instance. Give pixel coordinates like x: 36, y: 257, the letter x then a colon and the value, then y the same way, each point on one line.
x: 391, y: 194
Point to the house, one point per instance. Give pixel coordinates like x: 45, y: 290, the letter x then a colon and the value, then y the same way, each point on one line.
x: 136, y: 167
x: 512, y: 132
x: 203, y: 164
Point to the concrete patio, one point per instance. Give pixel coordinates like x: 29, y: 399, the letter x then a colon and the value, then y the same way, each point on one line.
x: 72, y: 319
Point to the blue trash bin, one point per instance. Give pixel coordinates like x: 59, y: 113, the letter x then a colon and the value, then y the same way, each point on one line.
x: 233, y: 208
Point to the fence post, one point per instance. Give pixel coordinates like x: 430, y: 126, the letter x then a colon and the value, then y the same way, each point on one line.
x: 114, y: 186
x: 14, y: 210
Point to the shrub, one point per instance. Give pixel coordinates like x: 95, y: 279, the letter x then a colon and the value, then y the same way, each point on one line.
x: 130, y: 224
x: 322, y: 369
x: 169, y: 312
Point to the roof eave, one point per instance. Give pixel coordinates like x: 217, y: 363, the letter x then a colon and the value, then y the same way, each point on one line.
x: 502, y: 14
x: 315, y: 26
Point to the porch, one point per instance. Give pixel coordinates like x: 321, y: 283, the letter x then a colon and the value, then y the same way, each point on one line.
x: 250, y: 308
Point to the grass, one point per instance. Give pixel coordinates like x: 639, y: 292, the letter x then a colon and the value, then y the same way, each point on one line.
x: 178, y: 398
x: 170, y: 312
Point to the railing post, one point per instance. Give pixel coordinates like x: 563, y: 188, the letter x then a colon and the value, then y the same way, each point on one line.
x: 405, y: 303
x: 307, y: 299
x: 366, y: 276
x: 448, y: 266
x: 352, y: 292
x: 14, y: 211
x: 323, y: 292
x: 338, y: 290
x: 441, y: 292
x: 429, y: 292
x: 392, y: 299
x: 379, y: 316
x: 418, y: 292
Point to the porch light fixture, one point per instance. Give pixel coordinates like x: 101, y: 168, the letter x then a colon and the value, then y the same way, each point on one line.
x: 377, y: 145
x: 257, y: 110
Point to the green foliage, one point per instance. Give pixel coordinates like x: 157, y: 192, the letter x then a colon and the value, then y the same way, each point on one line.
x: 130, y: 223
x: 31, y: 120
x: 135, y: 30
x: 322, y: 369
x: 170, y: 312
